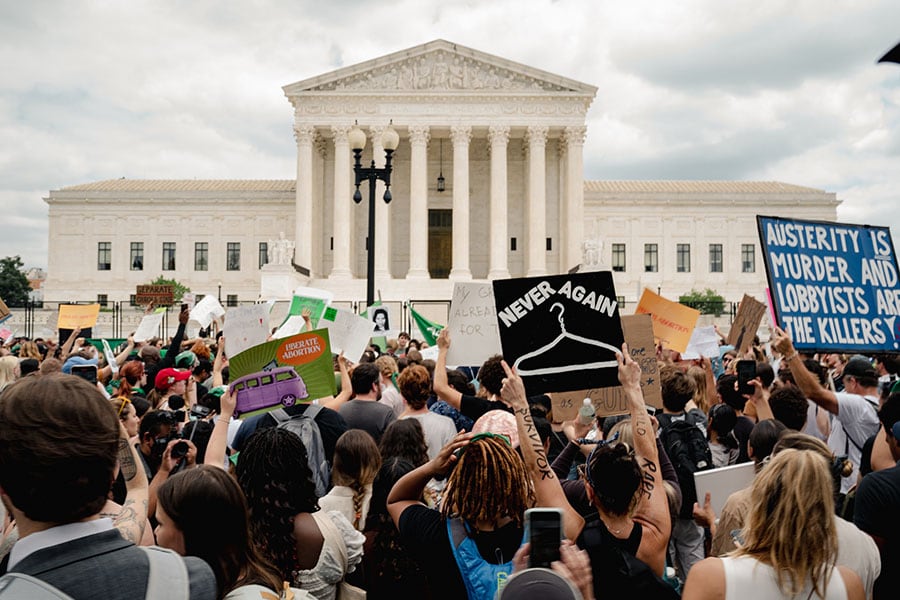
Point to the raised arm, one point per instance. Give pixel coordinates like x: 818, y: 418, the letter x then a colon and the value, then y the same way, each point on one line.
x: 220, y: 362
x: 547, y: 489
x: 441, y: 385
x: 806, y: 381
x: 218, y: 441
x: 335, y: 402
x: 132, y: 519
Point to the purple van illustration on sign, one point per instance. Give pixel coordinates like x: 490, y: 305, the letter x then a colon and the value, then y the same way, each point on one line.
x: 281, y: 386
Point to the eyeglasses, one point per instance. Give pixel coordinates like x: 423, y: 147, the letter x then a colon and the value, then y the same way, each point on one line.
x: 125, y: 400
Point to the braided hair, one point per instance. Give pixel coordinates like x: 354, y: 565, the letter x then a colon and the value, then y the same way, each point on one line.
x: 356, y: 462
x: 488, y: 483
x: 275, y: 476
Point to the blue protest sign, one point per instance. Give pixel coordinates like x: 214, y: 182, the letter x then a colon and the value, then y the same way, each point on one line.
x: 834, y: 286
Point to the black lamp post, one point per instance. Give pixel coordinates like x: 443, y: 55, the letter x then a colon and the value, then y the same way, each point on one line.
x: 389, y: 140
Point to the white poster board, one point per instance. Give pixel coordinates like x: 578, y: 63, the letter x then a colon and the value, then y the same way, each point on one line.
x: 148, y: 327
x: 245, y: 327
x: 110, y: 358
x: 205, y: 311
x: 722, y: 482
x: 292, y: 326
x: 473, y: 324
x: 704, y: 342
x: 347, y: 332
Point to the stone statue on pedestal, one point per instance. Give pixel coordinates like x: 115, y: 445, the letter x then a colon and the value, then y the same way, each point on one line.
x: 281, y: 251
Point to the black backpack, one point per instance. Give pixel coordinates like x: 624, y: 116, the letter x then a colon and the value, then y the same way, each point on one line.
x: 686, y: 445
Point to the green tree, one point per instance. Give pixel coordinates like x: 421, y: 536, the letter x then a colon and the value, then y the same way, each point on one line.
x: 180, y: 289
x: 14, y: 286
x: 708, y: 302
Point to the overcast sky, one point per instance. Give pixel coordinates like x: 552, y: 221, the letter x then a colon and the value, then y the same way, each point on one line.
x: 704, y: 89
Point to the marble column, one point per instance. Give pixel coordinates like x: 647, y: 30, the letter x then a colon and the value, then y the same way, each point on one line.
x: 382, y: 216
x: 303, y: 211
x: 342, y: 199
x: 418, y: 202
x: 536, y: 211
x: 574, y: 198
x: 461, y: 135
x: 499, y: 230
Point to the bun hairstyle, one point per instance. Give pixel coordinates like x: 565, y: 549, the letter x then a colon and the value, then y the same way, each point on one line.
x: 615, y: 477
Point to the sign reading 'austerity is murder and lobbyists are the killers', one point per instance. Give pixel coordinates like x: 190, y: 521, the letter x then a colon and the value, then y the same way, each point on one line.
x: 834, y: 286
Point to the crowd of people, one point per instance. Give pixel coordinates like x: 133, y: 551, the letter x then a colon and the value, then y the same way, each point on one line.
x: 132, y: 478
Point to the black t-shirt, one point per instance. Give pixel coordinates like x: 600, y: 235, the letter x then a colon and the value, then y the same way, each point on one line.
x: 742, y: 430
x: 877, y: 504
x: 423, y: 532
x: 331, y: 427
x: 474, y: 407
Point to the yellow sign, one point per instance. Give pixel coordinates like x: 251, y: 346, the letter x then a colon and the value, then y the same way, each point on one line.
x: 77, y: 316
x: 673, y: 323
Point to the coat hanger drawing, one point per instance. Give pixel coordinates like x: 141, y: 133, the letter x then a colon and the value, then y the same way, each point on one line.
x: 562, y: 336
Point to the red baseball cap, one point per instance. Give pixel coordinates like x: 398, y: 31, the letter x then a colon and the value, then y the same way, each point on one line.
x: 166, y: 377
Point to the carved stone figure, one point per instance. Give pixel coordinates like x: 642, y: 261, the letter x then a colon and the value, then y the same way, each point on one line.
x: 281, y: 251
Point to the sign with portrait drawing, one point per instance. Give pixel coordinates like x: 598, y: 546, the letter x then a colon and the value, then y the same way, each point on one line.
x: 561, y: 332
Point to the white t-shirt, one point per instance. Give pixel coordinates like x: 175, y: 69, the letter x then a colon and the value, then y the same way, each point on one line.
x: 858, y: 417
x: 746, y: 577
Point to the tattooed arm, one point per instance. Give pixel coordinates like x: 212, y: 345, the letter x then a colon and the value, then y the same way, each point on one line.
x: 132, y: 519
x: 547, y: 489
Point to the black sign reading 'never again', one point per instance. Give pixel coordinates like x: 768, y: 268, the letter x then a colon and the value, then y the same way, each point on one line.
x: 561, y: 332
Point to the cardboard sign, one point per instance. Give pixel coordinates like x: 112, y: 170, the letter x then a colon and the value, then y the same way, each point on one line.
x: 158, y: 295
x: 835, y: 286
x: 308, y: 353
x: 312, y: 298
x: 638, y: 330
x: 672, y: 322
x: 704, y: 342
x: 561, y: 332
x: 148, y: 327
x: 380, y: 315
x: 349, y: 333
x: 245, y: 327
x: 474, y: 335
x: 205, y: 311
x: 4, y: 310
x: 746, y: 322
x: 78, y: 316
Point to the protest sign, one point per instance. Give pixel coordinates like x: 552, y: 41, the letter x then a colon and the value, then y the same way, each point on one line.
x: 5, y: 334
x: 205, y: 311
x: 746, y: 322
x: 561, y: 332
x: 704, y: 342
x: 293, y: 325
x: 110, y: 357
x: 148, y: 327
x: 638, y: 330
x: 308, y: 353
x: 834, y: 285
x: 312, y: 298
x: 380, y: 315
x: 672, y: 322
x: 158, y: 295
x: 245, y: 327
x: 472, y: 324
x: 348, y: 332
x: 78, y: 316
x: 4, y: 311
x: 722, y: 482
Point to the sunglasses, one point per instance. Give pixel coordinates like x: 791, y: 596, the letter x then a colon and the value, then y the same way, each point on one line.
x: 584, y: 470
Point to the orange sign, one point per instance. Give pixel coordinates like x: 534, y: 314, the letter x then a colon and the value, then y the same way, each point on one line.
x: 673, y: 323
x: 301, y: 349
x: 77, y: 316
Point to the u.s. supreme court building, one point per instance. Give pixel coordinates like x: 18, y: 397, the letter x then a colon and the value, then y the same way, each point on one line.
x: 505, y: 140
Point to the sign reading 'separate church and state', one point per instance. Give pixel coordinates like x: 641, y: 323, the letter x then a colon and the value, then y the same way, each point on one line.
x: 834, y: 286
x: 560, y: 332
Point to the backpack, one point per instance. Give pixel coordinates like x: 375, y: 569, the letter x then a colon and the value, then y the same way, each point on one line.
x: 168, y: 578
x: 689, y: 452
x: 304, y: 426
x: 618, y: 573
x: 483, y: 580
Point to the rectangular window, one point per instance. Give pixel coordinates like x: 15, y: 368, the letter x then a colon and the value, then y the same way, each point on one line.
x: 233, y: 258
x: 549, y: 244
x: 748, y: 258
x: 168, y: 262
x: 136, y: 258
x: 263, y: 254
x: 715, y: 258
x: 512, y: 244
x: 104, y: 256
x: 103, y: 300
x: 618, y: 257
x: 231, y: 300
x: 132, y: 300
x: 620, y: 300
x: 201, y: 256
x: 683, y: 258
x: 651, y: 258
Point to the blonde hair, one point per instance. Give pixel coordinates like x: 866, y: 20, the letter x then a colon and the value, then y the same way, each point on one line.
x: 30, y: 350
x: 698, y: 375
x: 386, y: 364
x: 623, y: 428
x: 790, y: 524
x: 8, y: 366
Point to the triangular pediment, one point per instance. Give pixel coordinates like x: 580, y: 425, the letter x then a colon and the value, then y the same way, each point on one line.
x: 440, y: 67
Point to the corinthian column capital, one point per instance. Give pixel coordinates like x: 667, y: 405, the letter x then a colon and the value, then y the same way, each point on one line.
x: 304, y: 133
x: 340, y: 133
x: 537, y: 135
x: 461, y: 134
x: 419, y: 134
x: 498, y: 135
x: 575, y: 135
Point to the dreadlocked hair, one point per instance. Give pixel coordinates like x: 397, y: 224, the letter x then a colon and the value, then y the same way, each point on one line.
x: 356, y: 463
x: 275, y: 476
x: 488, y: 483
